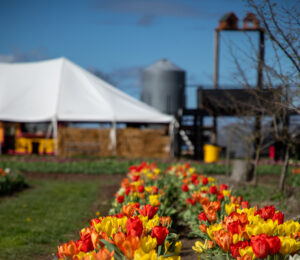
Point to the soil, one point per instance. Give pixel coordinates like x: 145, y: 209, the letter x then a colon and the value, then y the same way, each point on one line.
x: 112, y: 184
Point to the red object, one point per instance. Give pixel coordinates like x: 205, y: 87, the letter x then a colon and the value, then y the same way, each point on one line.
x: 135, y: 177
x: 160, y: 234
x: 95, y: 220
x: 260, y: 246
x: 274, y: 244
x: 235, y: 248
x: 204, y: 181
x: 154, y: 190
x: 141, y: 189
x: 120, y: 199
x: 202, y: 217
x: 278, y: 216
x: 245, y: 204
x: 272, y: 152
x: 148, y: 211
x: 266, y: 213
x: 190, y: 201
x: 85, y: 243
x: 134, y: 227
x: 185, y: 188
x: 127, y: 190
x: 223, y: 187
x: 233, y: 227
x: 213, y: 189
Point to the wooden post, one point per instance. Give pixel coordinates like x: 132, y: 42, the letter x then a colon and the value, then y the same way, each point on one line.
x: 259, y: 86
x: 216, y: 81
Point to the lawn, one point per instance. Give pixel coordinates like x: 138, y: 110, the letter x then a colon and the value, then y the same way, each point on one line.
x: 35, y: 221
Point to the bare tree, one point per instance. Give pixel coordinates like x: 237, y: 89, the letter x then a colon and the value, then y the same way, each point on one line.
x: 281, y: 23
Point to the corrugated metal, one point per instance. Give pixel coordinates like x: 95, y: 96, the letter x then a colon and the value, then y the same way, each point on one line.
x: 162, y: 84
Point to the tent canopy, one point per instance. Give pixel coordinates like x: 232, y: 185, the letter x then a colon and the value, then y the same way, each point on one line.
x: 60, y: 90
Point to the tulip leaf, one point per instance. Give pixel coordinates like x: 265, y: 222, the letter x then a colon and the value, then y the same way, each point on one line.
x: 112, y: 247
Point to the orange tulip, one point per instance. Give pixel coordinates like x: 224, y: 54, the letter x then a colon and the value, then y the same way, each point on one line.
x: 203, y: 228
x: 104, y: 254
x: 165, y: 221
x: 119, y: 238
x: 125, y: 183
x: 223, y: 239
x: 68, y: 249
x: 130, y: 245
x: 129, y: 209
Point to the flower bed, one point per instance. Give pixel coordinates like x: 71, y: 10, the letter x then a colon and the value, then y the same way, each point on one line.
x: 11, y: 181
x: 140, y: 221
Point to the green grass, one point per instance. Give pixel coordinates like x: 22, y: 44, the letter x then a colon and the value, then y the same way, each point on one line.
x: 259, y: 194
x: 37, y: 220
x: 106, y: 165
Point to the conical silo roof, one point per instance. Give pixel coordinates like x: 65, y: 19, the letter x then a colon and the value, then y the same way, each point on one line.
x: 163, y: 65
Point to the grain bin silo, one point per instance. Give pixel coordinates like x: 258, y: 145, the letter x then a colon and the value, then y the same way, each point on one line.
x: 163, y: 84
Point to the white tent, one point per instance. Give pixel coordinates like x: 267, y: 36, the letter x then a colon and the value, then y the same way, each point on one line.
x: 59, y: 90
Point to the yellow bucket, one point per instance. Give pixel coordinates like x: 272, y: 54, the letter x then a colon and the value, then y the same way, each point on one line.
x: 211, y: 153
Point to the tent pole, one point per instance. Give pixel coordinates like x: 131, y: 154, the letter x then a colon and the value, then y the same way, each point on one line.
x: 113, y: 138
x: 55, y: 135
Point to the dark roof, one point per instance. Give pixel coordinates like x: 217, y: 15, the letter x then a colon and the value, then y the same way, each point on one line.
x: 227, y: 16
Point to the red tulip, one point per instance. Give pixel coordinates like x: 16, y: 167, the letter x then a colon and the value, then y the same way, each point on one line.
x: 278, y: 216
x: 235, y: 248
x: 223, y: 187
x: 204, y: 181
x: 202, y: 217
x: 245, y: 204
x: 213, y: 189
x: 185, y: 188
x: 141, y: 189
x: 120, y: 199
x: 266, y: 213
x: 134, y: 226
x: 148, y: 211
x: 85, y: 243
x: 274, y: 244
x: 160, y: 234
x: 260, y: 246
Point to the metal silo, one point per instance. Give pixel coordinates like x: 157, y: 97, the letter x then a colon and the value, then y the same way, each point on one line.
x: 163, y: 84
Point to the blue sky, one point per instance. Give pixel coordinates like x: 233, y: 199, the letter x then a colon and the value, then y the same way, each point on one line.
x: 118, y: 38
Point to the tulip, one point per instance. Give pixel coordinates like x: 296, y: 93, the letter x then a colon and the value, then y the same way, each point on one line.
x: 160, y: 234
x: 223, y: 239
x: 148, y: 244
x: 185, y: 188
x: 148, y: 211
x: 134, y: 226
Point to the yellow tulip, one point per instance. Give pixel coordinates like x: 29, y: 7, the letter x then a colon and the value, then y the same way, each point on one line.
x: 191, y: 170
x: 247, y: 251
x: 154, y: 200
x: 139, y: 254
x: 148, y: 244
x: 157, y: 171
x: 288, y: 245
x: 200, y: 248
x: 213, y: 228
x: 229, y: 208
x: 152, y: 223
x: 226, y: 193
x: 288, y: 227
x: 204, y: 188
x: 236, y: 238
x: 211, y: 179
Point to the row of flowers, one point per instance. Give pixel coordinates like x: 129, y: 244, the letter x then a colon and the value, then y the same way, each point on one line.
x: 229, y: 228
x: 140, y: 222
x: 137, y: 227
